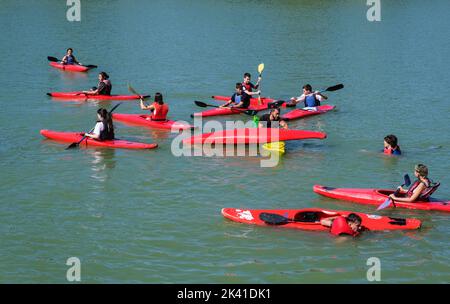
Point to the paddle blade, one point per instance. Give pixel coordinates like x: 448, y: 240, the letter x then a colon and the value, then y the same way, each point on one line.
x: 50, y: 58
x: 335, y: 88
x: 200, y: 104
x: 72, y: 145
x: 260, y: 68
x: 407, y: 180
x: 273, y: 219
x: 385, y: 204
x: 251, y: 112
x: 91, y: 66
x: 130, y: 88
x: 275, y: 104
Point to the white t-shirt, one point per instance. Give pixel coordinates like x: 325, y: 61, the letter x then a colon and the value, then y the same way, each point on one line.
x: 99, y: 127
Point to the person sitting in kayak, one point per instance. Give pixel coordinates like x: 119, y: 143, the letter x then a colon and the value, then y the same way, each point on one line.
x: 266, y: 120
x: 310, y: 98
x: 159, y: 108
x: 69, y: 58
x: 420, y: 190
x: 248, y: 87
x: 350, y: 225
x: 239, y: 99
x: 104, y: 129
x: 390, y: 145
x: 104, y: 86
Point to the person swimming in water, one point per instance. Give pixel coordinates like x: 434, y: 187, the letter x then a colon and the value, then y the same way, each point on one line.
x: 391, y: 146
x: 340, y: 225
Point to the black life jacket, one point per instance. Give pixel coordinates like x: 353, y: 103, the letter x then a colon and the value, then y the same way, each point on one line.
x: 107, y: 133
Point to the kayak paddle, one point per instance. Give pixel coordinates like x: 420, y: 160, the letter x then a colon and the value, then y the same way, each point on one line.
x: 54, y: 59
x: 132, y: 90
x: 76, y: 144
x: 387, y: 202
x: 204, y: 105
x: 277, y: 219
x: 329, y: 89
x: 260, y: 70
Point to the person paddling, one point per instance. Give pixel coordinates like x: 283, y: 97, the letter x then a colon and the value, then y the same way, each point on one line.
x: 266, y: 120
x: 159, y: 108
x: 248, y: 87
x: 391, y: 145
x: 340, y: 225
x: 239, y: 99
x: 310, y: 98
x: 104, y: 129
x: 69, y: 58
x: 104, y: 86
x: 420, y: 190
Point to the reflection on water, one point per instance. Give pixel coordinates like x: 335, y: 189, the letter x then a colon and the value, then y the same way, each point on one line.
x: 103, y: 162
x: 160, y: 134
x: 390, y: 161
x: 69, y: 76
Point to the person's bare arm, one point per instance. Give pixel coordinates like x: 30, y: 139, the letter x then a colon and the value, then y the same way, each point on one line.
x: 412, y: 198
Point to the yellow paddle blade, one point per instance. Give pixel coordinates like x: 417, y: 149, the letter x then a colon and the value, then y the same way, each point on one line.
x: 260, y: 68
x: 277, y: 147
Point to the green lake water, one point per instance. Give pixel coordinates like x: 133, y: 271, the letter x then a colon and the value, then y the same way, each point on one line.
x: 150, y: 217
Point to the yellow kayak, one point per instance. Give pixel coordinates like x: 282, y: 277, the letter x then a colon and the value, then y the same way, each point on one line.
x: 277, y: 147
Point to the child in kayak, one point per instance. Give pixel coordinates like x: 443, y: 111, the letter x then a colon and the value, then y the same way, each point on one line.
x: 69, y: 58
x: 266, y: 120
x: 240, y: 99
x: 248, y: 87
x: 420, y: 190
x: 104, y: 86
x: 350, y: 225
x: 159, y: 108
x: 310, y: 98
x: 390, y: 145
x: 104, y: 129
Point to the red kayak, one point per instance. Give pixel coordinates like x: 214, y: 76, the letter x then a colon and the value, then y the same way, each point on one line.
x: 145, y: 120
x: 309, y: 219
x: 80, y: 95
x: 73, y: 137
x: 253, y: 136
x: 377, y: 197
x: 253, y: 101
x: 70, y: 67
x: 301, y: 113
x: 227, y: 111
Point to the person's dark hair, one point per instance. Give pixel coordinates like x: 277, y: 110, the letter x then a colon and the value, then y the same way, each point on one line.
x: 307, y: 87
x: 391, y: 140
x: 354, y: 218
x: 104, y: 75
x: 69, y: 49
x: 238, y: 85
x: 107, y: 119
x: 247, y: 75
x: 159, y: 98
